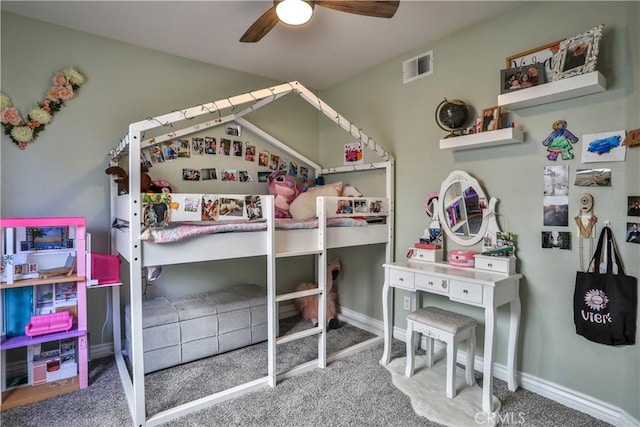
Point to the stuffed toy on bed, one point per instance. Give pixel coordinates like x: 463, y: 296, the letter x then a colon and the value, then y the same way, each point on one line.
x: 147, y: 185
x: 284, y: 188
x: 308, y: 306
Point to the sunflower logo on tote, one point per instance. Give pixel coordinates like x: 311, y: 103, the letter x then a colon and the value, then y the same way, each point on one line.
x: 596, y: 300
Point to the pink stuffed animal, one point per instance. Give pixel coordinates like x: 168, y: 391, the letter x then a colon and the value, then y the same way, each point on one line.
x: 308, y: 306
x: 285, y: 190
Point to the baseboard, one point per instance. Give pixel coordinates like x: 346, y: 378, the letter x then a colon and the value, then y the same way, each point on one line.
x: 570, y: 398
x: 567, y: 397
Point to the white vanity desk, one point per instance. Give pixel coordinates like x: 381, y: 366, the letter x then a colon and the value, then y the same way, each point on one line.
x: 467, y: 286
x: 461, y: 201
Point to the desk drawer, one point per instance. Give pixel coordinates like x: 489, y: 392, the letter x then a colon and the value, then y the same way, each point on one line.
x: 402, y: 279
x: 438, y: 285
x: 499, y: 264
x: 463, y: 291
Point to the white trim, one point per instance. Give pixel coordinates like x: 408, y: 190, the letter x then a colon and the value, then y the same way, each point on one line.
x: 558, y: 393
x: 570, y: 398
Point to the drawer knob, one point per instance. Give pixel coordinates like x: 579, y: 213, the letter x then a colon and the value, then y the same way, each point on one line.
x: 430, y: 283
x: 465, y: 291
x: 444, y: 284
x: 401, y: 279
x: 490, y: 265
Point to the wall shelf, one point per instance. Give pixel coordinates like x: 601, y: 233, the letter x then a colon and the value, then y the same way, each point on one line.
x: 573, y: 87
x: 483, y: 139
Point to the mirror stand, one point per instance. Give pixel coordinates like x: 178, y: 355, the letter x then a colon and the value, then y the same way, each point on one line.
x: 466, y: 215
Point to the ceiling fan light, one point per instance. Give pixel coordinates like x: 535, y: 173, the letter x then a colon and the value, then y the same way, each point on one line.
x: 294, y: 12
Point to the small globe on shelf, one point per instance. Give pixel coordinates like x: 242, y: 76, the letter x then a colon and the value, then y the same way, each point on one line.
x: 451, y: 116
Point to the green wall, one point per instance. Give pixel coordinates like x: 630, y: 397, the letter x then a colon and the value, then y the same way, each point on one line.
x: 467, y: 66
x: 62, y: 173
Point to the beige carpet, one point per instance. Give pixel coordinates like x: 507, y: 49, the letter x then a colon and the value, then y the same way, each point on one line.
x: 426, y: 388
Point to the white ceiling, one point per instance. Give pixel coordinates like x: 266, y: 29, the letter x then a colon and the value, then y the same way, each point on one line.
x: 333, y: 46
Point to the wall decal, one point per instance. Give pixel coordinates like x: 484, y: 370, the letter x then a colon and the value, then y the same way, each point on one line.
x: 66, y: 84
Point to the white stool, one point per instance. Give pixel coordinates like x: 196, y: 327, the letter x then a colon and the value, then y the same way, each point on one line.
x: 446, y: 326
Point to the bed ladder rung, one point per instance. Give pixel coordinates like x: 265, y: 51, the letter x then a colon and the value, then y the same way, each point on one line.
x: 298, y: 335
x: 298, y: 294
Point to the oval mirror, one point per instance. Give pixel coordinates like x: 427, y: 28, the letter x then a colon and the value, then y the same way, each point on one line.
x: 461, y: 208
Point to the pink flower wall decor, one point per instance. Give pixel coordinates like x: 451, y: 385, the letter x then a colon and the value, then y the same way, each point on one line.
x: 66, y: 84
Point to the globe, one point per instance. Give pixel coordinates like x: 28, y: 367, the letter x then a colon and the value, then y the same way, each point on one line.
x: 452, y: 115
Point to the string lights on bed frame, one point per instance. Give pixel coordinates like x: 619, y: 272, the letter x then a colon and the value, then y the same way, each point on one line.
x: 370, y: 143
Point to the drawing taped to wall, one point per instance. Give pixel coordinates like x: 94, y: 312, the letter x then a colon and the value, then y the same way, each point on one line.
x: 604, y: 147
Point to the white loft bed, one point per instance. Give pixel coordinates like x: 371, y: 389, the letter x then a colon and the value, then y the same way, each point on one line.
x: 269, y: 242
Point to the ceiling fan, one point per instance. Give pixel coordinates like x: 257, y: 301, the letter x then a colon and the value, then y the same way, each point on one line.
x: 301, y: 11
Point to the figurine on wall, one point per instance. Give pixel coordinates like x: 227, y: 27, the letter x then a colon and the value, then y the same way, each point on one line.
x: 559, y: 141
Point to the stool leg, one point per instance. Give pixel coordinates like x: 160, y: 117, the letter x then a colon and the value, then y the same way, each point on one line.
x: 429, y: 351
x: 409, y: 338
x: 471, y: 351
x: 452, y: 350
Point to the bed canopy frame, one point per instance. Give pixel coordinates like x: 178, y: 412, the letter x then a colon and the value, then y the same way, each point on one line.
x: 239, y: 106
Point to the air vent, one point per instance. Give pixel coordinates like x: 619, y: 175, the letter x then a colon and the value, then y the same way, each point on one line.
x: 417, y: 67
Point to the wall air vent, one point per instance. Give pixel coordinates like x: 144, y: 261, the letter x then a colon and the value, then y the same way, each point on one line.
x: 417, y: 67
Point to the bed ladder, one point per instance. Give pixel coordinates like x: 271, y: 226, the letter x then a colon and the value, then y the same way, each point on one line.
x: 273, y: 300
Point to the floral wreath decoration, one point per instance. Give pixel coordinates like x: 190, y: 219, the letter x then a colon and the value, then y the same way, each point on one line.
x: 66, y: 84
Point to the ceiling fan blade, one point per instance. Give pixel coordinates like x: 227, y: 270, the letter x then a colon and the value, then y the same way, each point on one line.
x: 261, y: 27
x: 378, y: 9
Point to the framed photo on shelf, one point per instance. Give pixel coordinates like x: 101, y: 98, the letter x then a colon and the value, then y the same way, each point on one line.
x: 579, y: 54
x: 490, y: 119
x: 513, y: 79
x: 547, y: 55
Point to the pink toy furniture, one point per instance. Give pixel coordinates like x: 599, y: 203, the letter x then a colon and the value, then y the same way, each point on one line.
x: 48, y: 323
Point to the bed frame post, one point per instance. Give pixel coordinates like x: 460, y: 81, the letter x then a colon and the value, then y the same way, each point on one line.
x: 137, y: 402
x: 321, y: 213
x: 272, y: 307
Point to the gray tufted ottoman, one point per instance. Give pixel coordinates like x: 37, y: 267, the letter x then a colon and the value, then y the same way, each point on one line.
x: 183, y: 329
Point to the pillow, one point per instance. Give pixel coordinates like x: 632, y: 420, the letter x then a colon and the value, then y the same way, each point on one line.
x: 304, y: 206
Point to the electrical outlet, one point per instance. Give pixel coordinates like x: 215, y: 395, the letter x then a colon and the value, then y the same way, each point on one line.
x: 407, y: 302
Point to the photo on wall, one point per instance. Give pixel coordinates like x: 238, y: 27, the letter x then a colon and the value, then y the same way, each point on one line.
x: 556, y: 211
x: 197, y: 146
x: 633, y: 232
x: 229, y: 175
x: 210, y: 145
x: 633, y: 206
x: 170, y: 150
x: 250, y: 152
x: 556, y: 240
x: 353, y: 154
x: 600, y: 177
x: 190, y: 174
x: 556, y: 180
x: 184, y: 148
x: 208, y: 174
x: 263, y: 159
x: 225, y: 146
x: 237, y: 148
x: 245, y: 176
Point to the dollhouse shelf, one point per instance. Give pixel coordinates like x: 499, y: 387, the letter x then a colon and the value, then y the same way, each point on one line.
x: 23, y: 340
x: 483, y: 139
x: 37, y: 282
x: 573, y: 87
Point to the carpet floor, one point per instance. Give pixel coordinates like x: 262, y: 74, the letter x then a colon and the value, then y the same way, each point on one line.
x: 352, y: 391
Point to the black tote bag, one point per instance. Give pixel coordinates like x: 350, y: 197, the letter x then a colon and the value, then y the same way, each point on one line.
x: 604, y: 303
